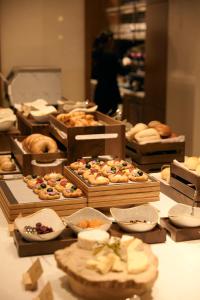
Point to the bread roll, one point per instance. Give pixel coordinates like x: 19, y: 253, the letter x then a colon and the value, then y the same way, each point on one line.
x: 146, y: 135
x: 163, y: 130
x: 152, y: 124
x: 191, y: 163
x: 137, y: 128
x: 165, y: 174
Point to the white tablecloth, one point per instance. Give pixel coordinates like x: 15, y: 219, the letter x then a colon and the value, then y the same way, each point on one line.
x: 179, y: 268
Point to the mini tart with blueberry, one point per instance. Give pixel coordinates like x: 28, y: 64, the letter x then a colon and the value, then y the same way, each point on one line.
x: 138, y: 175
x: 80, y: 163
x: 109, y: 170
x: 49, y: 194
x: 39, y: 187
x: 29, y: 177
x: 53, y: 176
x: 98, y: 179
x: 62, y: 184
x: 33, y: 182
x: 89, y: 172
x: 72, y: 192
x: 118, y: 163
x: 118, y: 177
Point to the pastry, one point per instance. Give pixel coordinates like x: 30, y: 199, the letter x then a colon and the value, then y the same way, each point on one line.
x: 165, y: 174
x: 163, y: 130
x: 72, y: 192
x: 98, y: 179
x: 153, y: 123
x: 77, y: 118
x: 118, y: 177
x: 80, y: 163
x: 147, y: 135
x: 49, y: 194
x: 137, y: 128
x: 6, y: 164
x: 38, y: 144
x: 138, y: 175
x: 62, y: 184
x: 192, y: 162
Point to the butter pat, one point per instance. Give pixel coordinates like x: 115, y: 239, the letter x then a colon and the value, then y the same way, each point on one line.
x: 89, y: 238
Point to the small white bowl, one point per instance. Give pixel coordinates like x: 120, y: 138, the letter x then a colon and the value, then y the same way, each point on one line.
x: 139, y: 219
x: 87, y: 213
x: 180, y: 215
x: 47, y: 217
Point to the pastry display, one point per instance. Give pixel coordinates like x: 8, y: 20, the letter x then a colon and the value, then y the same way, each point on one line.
x: 78, y: 118
x: 39, y: 144
x: 6, y: 163
x: 154, y: 131
x: 99, y: 172
x: 111, y: 268
x: 52, y: 186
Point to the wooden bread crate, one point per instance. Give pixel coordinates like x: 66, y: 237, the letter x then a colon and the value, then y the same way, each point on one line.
x: 5, y: 136
x: 106, y: 139
x: 185, y: 182
x: 39, y: 164
x: 16, y: 198
x: 152, y: 156
x: 118, y: 194
x: 27, y: 125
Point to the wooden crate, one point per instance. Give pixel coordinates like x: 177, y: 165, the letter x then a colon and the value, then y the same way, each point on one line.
x: 108, y: 139
x: 27, y: 125
x: 39, y: 164
x: 117, y: 195
x: 5, y: 140
x: 185, y: 181
x: 16, y: 198
x: 152, y: 156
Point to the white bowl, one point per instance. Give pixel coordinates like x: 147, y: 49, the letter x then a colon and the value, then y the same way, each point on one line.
x: 47, y: 217
x: 6, y: 124
x: 87, y: 213
x: 180, y: 215
x: 139, y: 219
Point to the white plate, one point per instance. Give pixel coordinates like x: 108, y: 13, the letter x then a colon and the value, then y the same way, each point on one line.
x: 146, y: 214
x: 87, y: 213
x: 180, y: 215
x: 47, y: 217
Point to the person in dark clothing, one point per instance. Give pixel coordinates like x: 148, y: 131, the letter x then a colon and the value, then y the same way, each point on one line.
x: 105, y: 68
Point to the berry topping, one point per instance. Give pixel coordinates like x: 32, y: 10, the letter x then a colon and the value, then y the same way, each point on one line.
x: 49, y: 190
x: 43, y: 185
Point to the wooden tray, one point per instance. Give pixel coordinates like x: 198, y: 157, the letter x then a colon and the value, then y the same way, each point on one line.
x: 26, y: 161
x: 27, y: 125
x: 26, y: 248
x: 5, y: 142
x: 121, y: 194
x: 16, y: 198
x: 185, y: 181
x: 152, y: 156
x: 180, y: 234
x: 108, y: 139
x: 156, y: 235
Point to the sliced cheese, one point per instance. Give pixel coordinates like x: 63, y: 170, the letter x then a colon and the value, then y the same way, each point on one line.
x: 88, y: 239
x: 125, y: 241
x: 137, y: 262
x: 105, y: 263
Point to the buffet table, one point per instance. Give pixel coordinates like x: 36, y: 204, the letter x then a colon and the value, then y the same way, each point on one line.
x: 179, y: 267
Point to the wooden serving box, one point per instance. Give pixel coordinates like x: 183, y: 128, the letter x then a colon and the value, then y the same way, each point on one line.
x: 27, y: 125
x: 180, y: 234
x: 185, y: 182
x: 16, y: 198
x: 116, y: 194
x: 106, y: 139
x: 38, y: 164
x: 152, y: 156
x: 27, y: 248
x: 5, y: 139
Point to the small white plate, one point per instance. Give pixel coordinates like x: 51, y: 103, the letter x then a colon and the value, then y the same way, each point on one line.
x: 180, y: 215
x: 87, y: 213
x: 146, y: 215
x: 47, y: 217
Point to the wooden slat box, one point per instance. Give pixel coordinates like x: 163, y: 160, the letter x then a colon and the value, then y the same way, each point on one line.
x: 27, y: 125
x: 5, y: 136
x: 16, y: 198
x: 116, y: 194
x: 185, y: 181
x: 28, y: 162
x: 152, y: 156
x: 106, y: 139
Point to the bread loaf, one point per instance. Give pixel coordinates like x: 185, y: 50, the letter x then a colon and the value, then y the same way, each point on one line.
x: 137, y: 128
x: 146, y: 135
x: 163, y: 130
